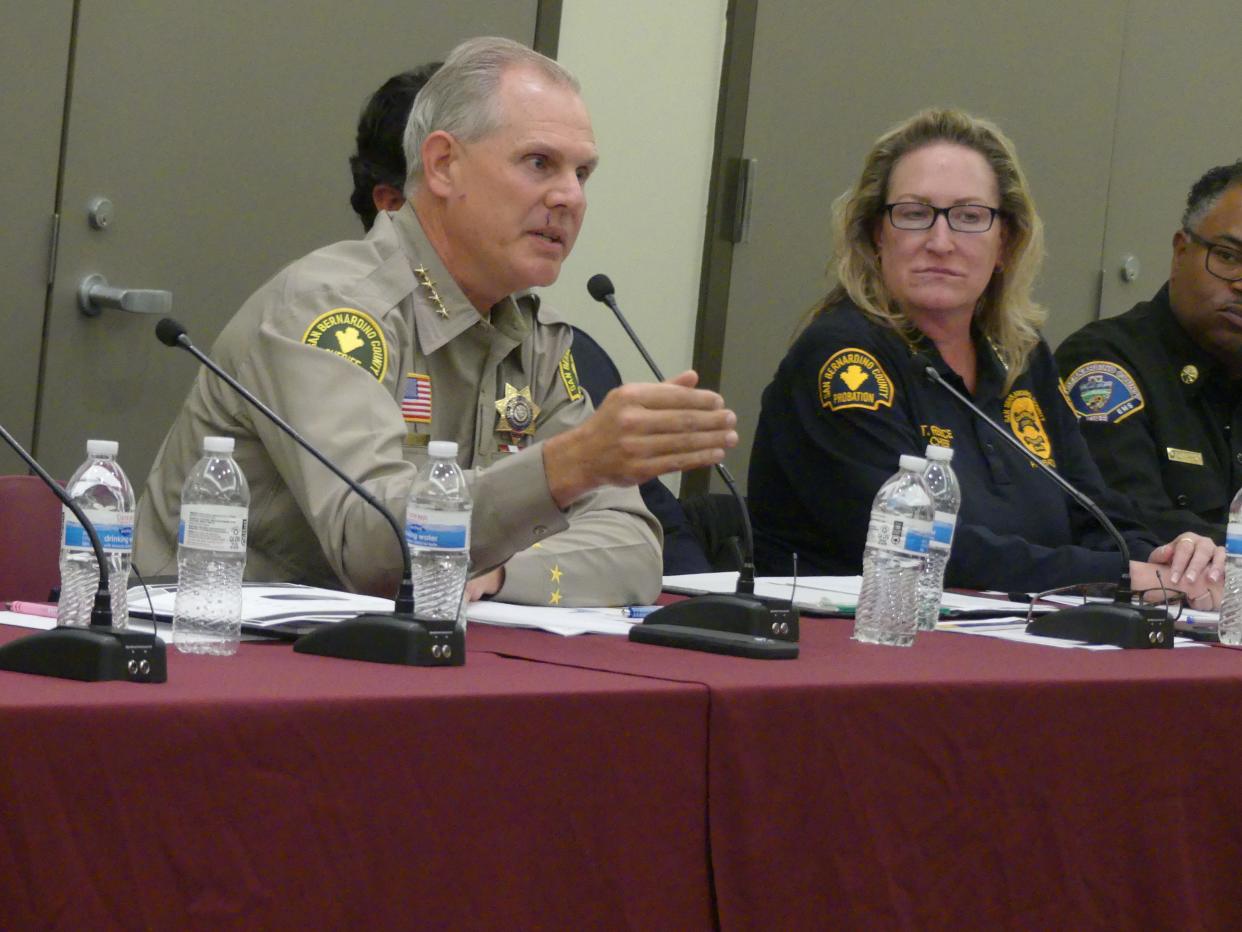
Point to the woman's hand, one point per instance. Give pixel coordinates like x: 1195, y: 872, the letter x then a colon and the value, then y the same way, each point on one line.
x: 1191, y: 563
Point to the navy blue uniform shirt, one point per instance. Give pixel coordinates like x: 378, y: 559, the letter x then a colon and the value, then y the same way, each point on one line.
x: 1161, y: 417
x: 848, y: 401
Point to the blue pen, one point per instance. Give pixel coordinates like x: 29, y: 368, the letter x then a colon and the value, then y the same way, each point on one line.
x: 639, y: 611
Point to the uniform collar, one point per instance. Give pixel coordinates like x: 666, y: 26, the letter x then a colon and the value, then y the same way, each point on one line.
x: 990, y: 370
x: 1184, y: 354
x: 435, y: 290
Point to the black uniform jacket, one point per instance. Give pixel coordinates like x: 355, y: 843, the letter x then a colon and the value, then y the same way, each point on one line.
x: 848, y: 400
x: 1162, y: 419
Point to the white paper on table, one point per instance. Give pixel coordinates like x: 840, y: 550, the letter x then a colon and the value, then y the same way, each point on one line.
x: 565, y: 621
x: 270, y: 603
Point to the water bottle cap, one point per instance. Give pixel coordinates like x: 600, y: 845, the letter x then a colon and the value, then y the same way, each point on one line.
x: 944, y: 454
x: 910, y: 461
x: 442, y: 449
x: 218, y: 444
x: 101, y: 447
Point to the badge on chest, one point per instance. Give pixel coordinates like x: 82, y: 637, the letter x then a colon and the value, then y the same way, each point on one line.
x: 517, y: 413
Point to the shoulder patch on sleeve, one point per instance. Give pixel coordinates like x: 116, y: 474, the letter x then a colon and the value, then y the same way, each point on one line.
x: 569, y: 376
x: 853, y: 378
x: 353, y: 335
x: 1103, y: 391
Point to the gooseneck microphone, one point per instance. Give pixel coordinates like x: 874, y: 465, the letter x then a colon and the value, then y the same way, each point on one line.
x: 1120, y: 622
x: 95, y: 653
x: 379, y: 637
x: 743, y: 613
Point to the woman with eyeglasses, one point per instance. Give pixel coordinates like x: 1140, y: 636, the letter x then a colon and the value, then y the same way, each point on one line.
x: 936, y: 249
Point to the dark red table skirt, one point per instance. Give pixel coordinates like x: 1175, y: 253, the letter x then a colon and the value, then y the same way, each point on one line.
x: 961, y: 783
x: 279, y: 790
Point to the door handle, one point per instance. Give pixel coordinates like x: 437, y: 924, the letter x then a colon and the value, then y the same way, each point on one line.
x: 94, y: 295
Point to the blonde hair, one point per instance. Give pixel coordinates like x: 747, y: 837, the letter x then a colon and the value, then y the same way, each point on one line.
x: 1006, y: 313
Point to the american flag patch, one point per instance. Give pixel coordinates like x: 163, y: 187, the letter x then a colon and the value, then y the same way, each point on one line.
x: 416, y: 403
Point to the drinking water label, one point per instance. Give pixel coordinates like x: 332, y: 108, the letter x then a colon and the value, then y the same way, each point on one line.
x: 900, y: 535
x: 442, y: 530
x: 115, y: 530
x: 213, y: 527
x: 1233, y: 539
x: 942, y: 530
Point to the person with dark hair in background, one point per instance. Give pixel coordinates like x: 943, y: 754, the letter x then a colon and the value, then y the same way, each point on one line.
x: 1158, y: 389
x: 427, y: 330
x: 936, y: 249
x: 378, y: 165
x: 379, y: 170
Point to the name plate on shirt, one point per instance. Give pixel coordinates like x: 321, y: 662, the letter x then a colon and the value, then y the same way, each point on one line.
x: 1184, y: 456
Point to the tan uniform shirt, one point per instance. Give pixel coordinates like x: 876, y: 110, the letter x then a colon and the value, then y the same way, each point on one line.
x: 370, y: 350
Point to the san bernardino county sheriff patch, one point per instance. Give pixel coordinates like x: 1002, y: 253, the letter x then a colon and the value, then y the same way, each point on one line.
x: 350, y: 333
x: 853, y: 378
x: 1103, y: 391
x: 569, y: 376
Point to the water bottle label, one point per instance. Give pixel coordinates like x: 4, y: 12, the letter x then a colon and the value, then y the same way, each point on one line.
x: 443, y: 530
x: 1233, y: 539
x: 942, y: 529
x: 115, y: 530
x: 900, y: 535
x: 213, y: 527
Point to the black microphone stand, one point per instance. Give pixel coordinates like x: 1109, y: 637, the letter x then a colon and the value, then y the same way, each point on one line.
x: 95, y: 653
x: 741, y: 623
x: 1120, y: 622
x: 378, y: 637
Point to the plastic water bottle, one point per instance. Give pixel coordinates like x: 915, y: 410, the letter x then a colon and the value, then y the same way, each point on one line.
x: 947, y: 499
x: 211, y: 553
x: 1231, y: 603
x: 897, y: 543
x: 103, y: 492
x: 437, y: 528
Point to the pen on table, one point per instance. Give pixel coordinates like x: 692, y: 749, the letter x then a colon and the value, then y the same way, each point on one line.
x: 639, y: 611
x: 33, y: 608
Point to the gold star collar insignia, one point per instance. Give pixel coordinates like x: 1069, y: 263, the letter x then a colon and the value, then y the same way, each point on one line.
x: 424, y: 279
x: 556, y: 573
x: 555, y: 598
x: 517, y: 411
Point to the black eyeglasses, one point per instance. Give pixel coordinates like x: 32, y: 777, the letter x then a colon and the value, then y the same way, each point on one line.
x: 1171, y: 600
x: 964, y: 218
x: 1224, y: 262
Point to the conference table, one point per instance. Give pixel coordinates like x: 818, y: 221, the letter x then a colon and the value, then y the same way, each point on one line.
x: 592, y: 782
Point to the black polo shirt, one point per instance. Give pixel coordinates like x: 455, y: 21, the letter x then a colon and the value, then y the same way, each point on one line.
x: 848, y: 401
x: 1161, y: 417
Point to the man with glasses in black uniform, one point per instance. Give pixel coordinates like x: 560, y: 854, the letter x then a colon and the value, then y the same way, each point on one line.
x: 1158, y: 390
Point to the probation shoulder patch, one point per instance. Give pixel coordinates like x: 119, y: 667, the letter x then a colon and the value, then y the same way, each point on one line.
x: 1103, y: 391
x: 353, y: 335
x: 853, y: 378
x: 569, y: 376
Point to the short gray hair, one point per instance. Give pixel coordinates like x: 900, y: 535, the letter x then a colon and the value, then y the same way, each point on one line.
x: 1207, y: 191
x: 461, y: 98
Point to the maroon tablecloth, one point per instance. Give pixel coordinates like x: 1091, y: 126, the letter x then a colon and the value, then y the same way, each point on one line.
x: 961, y: 783
x: 280, y: 790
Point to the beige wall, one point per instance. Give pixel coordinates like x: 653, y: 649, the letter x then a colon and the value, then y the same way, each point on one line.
x: 650, y: 70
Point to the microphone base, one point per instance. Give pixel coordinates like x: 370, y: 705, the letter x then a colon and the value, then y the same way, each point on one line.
x: 387, y: 638
x: 91, y: 654
x: 1127, y: 626
x: 739, y: 625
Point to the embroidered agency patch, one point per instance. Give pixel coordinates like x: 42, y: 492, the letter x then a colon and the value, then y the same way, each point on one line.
x: 853, y: 378
x: 1103, y: 391
x: 353, y: 335
x: 569, y: 376
x: 1026, y: 419
x: 416, y: 401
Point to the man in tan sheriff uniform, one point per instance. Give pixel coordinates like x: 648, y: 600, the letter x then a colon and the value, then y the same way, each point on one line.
x: 424, y: 331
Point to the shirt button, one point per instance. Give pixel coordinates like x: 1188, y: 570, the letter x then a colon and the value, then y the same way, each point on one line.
x: 1183, y: 501
x: 1238, y: 457
x: 540, y: 530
